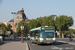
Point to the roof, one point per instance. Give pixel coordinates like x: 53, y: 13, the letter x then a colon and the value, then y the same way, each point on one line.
x: 39, y: 28
x: 19, y: 13
x: 12, y: 20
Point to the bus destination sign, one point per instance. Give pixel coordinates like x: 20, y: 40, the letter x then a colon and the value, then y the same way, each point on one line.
x: 48, y: 28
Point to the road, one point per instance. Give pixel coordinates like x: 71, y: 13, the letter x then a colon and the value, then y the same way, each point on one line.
x: 57, y: 46
x: 65, y: 39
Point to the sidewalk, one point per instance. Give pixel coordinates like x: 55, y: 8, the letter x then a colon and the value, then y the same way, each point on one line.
x: 14, y: 46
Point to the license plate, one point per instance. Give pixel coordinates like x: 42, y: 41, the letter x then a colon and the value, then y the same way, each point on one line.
x: 48, y: 38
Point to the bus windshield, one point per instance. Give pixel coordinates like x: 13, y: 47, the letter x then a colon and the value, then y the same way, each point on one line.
x: 44, y: 34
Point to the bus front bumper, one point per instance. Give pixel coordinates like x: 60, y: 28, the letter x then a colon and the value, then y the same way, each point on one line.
x: 47, y: 41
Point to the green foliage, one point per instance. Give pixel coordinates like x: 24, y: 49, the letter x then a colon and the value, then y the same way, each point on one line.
x: 50, y: 21
x: 33, y: 23
x: 63, y: 22
x: 9, y: 28
x: 42, y: 21
x: 69, y: 31
x: 26, y: 28
x: 3, y: 27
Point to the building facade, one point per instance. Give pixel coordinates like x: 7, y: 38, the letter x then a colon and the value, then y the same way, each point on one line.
x: 14, y: 22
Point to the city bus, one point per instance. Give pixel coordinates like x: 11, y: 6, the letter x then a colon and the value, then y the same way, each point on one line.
x: 41, y: 35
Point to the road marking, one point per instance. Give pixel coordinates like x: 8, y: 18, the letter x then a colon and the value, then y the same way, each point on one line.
x: 67, y: 42
x: 58, y: 48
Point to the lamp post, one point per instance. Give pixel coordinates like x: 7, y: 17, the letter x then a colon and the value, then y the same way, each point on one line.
x: 13, y: 20
x: 22, y: 27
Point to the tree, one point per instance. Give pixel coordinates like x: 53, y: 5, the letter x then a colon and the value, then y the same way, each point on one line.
x: 9, y: 28
x: 25, y: 27
x: 62, y: 23
x: 50, y: 21
x: 3, y: 27
x: 33, y: 23
x: 42, y: 21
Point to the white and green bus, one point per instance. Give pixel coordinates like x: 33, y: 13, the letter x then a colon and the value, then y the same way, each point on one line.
x: 42, y: 35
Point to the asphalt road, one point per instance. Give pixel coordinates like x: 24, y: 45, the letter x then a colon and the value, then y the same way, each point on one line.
x: 56, y: 46
x: 66, y: 39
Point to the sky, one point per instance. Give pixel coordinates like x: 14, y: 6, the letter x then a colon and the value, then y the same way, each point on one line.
x: 36, y: 8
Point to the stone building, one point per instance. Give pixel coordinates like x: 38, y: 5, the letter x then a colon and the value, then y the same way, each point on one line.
x: 14, y: 22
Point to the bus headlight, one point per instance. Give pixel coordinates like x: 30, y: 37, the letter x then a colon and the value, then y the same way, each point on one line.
x: 41, y: 39
x: 53, y: 38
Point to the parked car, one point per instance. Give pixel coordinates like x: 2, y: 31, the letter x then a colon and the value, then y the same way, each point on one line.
x: 12, y: 37
x: 1, y: 39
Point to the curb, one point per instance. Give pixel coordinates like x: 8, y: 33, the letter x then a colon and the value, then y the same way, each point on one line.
x: 66, y: 42
x: 29, y: 46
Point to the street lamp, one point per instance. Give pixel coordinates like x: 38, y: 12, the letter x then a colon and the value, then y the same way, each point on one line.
x: 22, y: 27
x: 13, y: 20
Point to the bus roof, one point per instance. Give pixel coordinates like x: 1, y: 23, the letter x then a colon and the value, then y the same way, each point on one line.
x: 39, y: 28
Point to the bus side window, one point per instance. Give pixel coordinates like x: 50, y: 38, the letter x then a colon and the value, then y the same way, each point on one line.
x: 31, y: 33
x: 38, y: 33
